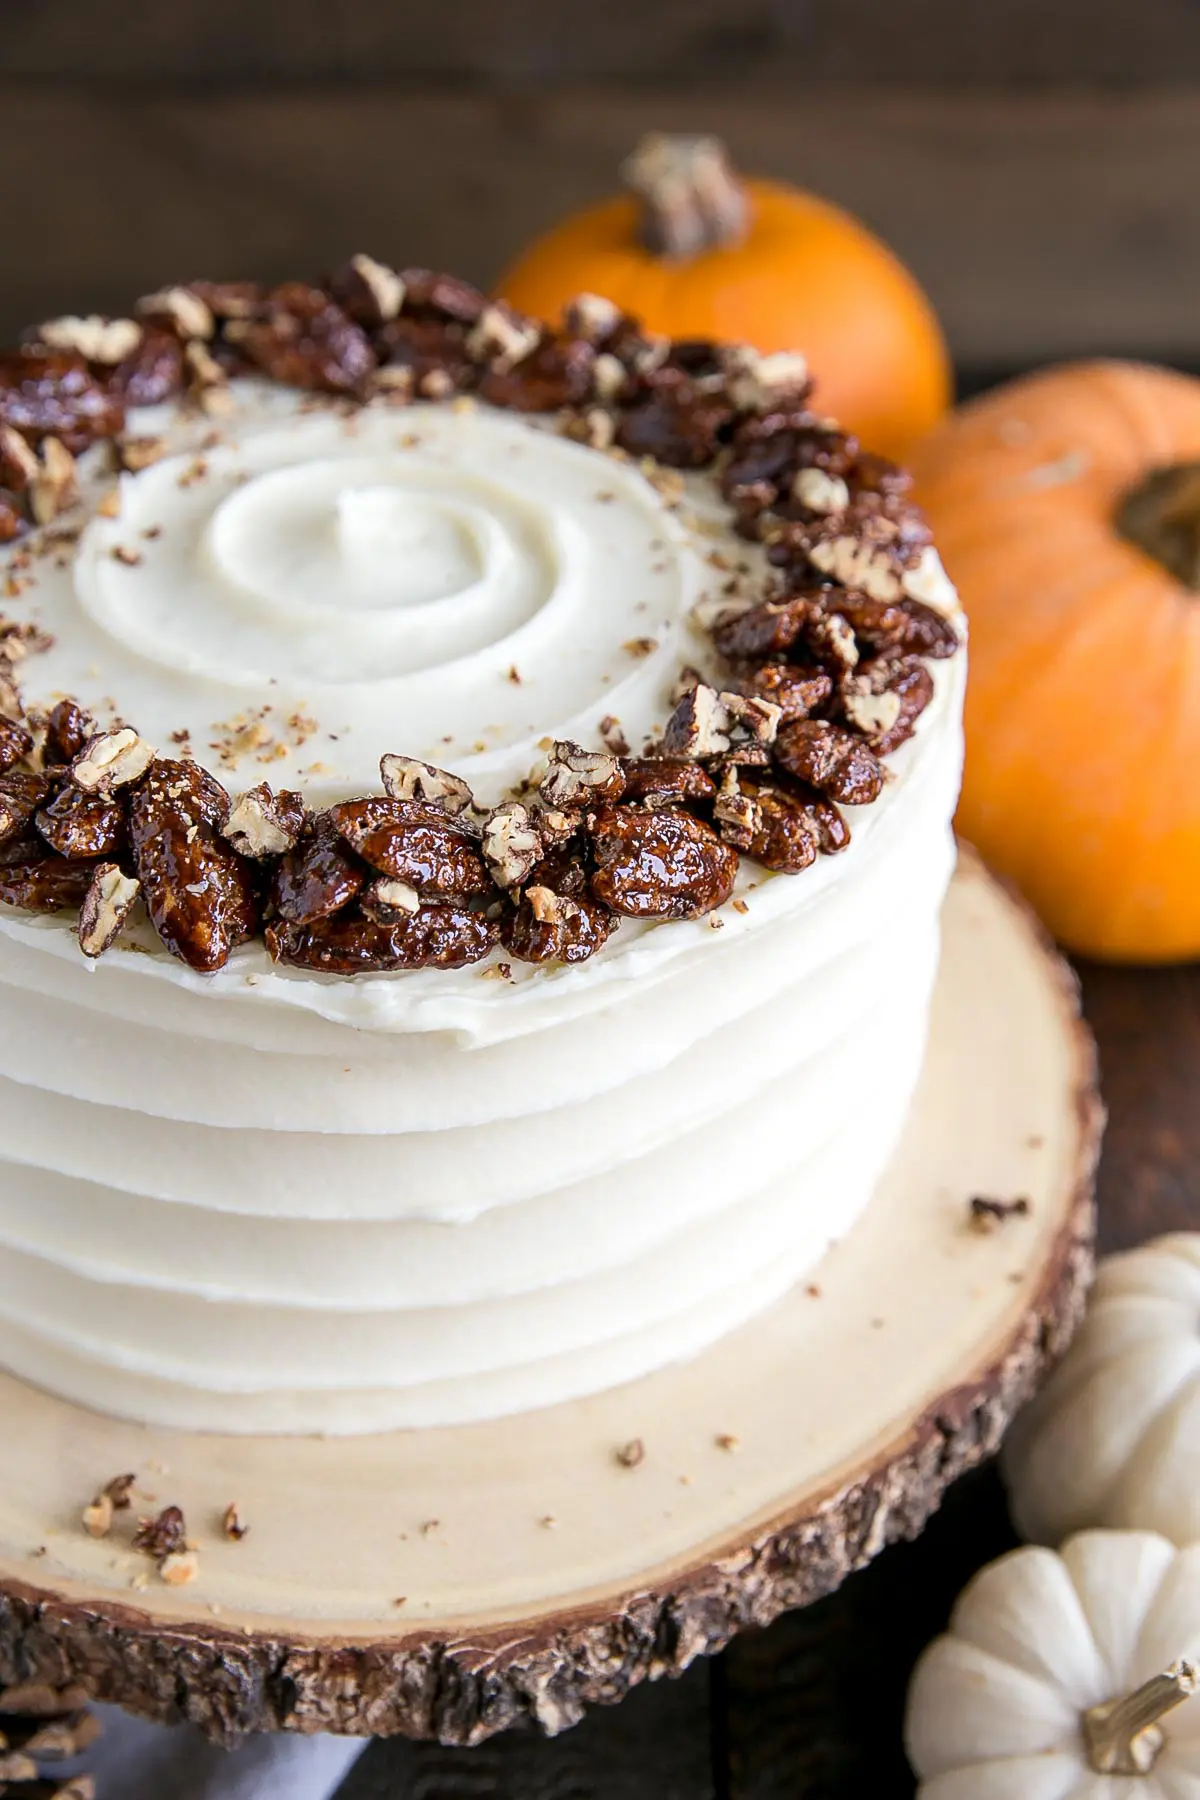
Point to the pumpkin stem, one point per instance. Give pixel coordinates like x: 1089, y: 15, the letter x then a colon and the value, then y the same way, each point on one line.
x: 1161, y: 515
x: 691, y: 199
x: 1123, y: 1737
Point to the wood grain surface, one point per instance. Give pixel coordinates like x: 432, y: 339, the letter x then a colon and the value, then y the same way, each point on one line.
x: 811, y: 1709
x: 539, y: 42
x: 1042, y: 223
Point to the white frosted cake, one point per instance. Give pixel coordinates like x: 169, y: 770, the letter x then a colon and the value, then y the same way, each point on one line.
x: 571, y: 1038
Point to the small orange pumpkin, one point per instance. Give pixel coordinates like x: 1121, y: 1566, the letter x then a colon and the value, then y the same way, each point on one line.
x: 1067, y: 508
x: 695, y: 253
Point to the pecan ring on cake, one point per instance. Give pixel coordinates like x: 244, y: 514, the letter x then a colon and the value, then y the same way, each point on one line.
x: 826, y: 606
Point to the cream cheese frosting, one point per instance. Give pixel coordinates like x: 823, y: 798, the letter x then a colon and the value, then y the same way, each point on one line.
x: 266, y: 1200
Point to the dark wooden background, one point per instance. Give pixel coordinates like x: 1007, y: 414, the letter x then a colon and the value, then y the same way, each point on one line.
x: 1037, y: 162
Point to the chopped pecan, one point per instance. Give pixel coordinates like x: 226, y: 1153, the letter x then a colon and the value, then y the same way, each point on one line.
x: 677, y: 429
x: 15, y: 743
x: 797, y: 692
x: 819, y: 491
x: 700, y: 725
x: 592, y: 317
x: 304, y: 339
x: 404, y: 778
x: 754, y: 717
x: 84, y: 825
x: 39, y: 881
x: 106, y: 907
x: 414, y: 842
x: 265, y: 823
x: 511, y: 844
x: 736, y: 813
x: 178, y: 309
x: 163, y: 1536
x: 21, y: 794
x: 659, y: 865
x: 97, y: 340
x: 198, y: 891
x: 578, y: 777
x: 228, y: 299
x: 761, y: 384
x: 665, y: 780
x: 316, y: 879
x: 387, y: 901
x: 368, y: 291
x: 502, y: 338
x: 137, y: 453
x: 13, y: 522
x: 57, y: 396
x: 436, y: 936
x: 54, y: 488
x: 19, y: 467
x: 111, y: 760
x: 885, y: 700
x: 831, y: 759
x: 556, y: 373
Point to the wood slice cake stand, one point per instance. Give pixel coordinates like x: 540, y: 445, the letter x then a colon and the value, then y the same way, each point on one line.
x: 448, y: 1583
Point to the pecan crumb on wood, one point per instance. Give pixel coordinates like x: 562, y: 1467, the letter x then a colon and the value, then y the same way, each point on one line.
x: 989, y: 1215
x: 631, y: 1454
x: 231, y: 1523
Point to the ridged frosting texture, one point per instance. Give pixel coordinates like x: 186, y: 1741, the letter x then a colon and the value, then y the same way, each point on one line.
x: 266, y: 1201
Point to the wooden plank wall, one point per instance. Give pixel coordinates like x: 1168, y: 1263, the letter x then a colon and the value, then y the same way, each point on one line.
x: 1034, y: 160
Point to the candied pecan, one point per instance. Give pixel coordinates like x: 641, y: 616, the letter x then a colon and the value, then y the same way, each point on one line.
x: 199, y: 892
x: 430, y: 293
x: 769, y: 629
x: 880, y: 624
x: 56, y: 395
x: 405, y: 778
x: 501, y: 337
x: 797, y: 692
x: 548, y: 925
x: 304, y: 339
x: 424, y: 356
x: 674, y: 428
x: 227, y: 299
x: 690, y: 367
x: 82, y: 825
x: 110, y: 760
x: 787, y: 834
x: 20, y: 796
x: 317, y: 878
x: 659, y: 865
x: 434, y: 937
x: 578, y: 777
x: 557, y: 373
x: 367, y: 290
x: 511, y: 844
x: 106, y: 907
x: 416, y: 843
x: 151, y: 373
x: 265, y: 823
x: 831, y: 759
x: 387, y: 901
x: 15, y: 743
x: 928, y: 632
x: 664, y: 780
x: 163, y: 1536
x: 67, y: 729
x: 885, y: 700
x: 39, y: 881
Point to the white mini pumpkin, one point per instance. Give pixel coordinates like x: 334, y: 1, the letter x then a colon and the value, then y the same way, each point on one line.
x: 1055, y: 1671
x: 1114, y: 1436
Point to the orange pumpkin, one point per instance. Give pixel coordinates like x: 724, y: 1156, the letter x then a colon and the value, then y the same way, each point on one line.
x: 695, y: 253
x: 1067, y: 508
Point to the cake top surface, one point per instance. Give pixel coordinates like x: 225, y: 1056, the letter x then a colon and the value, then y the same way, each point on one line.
x: 627, y: 622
